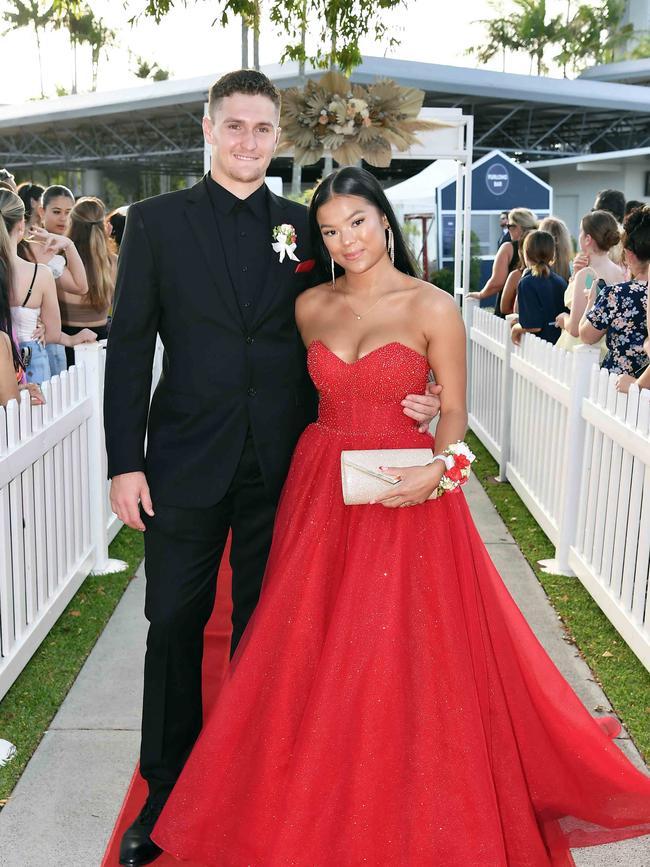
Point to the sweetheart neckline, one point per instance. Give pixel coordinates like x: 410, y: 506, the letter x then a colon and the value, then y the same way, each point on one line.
x: 367, y: 354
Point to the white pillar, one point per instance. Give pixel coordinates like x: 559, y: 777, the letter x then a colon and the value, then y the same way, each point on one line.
x: 92, y: 183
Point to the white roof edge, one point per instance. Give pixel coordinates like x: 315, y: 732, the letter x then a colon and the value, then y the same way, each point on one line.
x: 589, y: 158
x: 410, y: 73
x: 622, y: 68
x: 498, y: 153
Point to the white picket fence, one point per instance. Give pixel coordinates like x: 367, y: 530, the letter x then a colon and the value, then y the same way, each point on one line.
x: 55, y: 519
x: 578, y: 454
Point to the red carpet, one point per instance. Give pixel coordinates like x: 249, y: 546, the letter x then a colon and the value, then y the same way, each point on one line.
x: 215, y: 661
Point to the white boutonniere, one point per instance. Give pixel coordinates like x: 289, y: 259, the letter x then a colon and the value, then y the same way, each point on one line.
x: 285, y: 241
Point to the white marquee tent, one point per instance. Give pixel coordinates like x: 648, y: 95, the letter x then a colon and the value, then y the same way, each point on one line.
x: 417, y: 195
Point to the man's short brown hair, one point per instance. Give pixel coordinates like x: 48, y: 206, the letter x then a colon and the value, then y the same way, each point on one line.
x: 246, y: 81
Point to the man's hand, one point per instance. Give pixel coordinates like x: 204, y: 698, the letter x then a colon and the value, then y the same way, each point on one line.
x: 423, y: 407
x: 128, y: 490
x: 476, y: 295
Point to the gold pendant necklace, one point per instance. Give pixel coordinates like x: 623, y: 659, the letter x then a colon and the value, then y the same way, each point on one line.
x: 360, y: 316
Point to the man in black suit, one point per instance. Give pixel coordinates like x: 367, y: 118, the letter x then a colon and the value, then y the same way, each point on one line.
x: 199, y: 268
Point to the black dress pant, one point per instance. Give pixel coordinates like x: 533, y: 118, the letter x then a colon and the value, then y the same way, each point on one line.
x: 183, y: 549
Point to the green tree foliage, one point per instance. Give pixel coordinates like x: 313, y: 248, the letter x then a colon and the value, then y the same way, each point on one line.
x: 145, y: 69
x: 642, y: 48
x: 341, y: 25
x: 591, y: 33
x: 595, y: 34
x: 30, y: 14
x: 526, y: 29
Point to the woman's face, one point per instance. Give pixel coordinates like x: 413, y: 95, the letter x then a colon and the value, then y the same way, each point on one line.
x: 515, y: 231
x: 584, y: 241
x: 354, y: 232
x: 56, y: 216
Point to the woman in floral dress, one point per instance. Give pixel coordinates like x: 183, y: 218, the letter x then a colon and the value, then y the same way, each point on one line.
x: 620, y: 310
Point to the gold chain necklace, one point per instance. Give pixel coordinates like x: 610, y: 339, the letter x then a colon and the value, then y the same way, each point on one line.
x: 360, y: 316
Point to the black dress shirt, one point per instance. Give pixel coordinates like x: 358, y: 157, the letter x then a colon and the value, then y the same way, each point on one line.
x: 245, y: 229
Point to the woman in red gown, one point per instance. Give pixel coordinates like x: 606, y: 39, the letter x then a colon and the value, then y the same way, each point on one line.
x: 389, y: 705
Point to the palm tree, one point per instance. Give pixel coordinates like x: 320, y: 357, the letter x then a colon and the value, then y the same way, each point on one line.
x: 296, y: 168
x: 100, y: 38
x: 29, y: 14
x: 68, y: 15
x: 526, y: 30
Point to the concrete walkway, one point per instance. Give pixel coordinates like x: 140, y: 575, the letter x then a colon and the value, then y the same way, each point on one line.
x: 63, y: 809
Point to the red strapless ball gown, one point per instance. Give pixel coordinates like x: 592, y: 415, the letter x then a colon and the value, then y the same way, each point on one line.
x: 388, y: 705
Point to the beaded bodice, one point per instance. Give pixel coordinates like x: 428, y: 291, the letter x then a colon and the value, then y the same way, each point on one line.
x: 365, y: 396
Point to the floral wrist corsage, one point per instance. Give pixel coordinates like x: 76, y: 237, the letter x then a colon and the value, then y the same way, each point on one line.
x: 458, y: 460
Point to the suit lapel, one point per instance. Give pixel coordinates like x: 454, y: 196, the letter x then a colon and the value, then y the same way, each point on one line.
x: 278, y: 272
x: 198, y: 211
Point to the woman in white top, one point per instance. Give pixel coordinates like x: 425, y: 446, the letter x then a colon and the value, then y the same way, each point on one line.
x: 48, y: 245
x: 51, y: 247
x: 599, y: 233
x: 30, y: 289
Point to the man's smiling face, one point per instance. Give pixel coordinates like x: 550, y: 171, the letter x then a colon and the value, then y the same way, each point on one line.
x: 243, y: 134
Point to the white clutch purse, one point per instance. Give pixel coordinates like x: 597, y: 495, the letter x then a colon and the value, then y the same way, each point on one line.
x: 362, y: 480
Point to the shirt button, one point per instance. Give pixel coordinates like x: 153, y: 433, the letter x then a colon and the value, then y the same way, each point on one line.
x: 242, y: 234
x: 244, y: 267
x: 247, y: 303
x: 250, y: 339
x: 251, y: 392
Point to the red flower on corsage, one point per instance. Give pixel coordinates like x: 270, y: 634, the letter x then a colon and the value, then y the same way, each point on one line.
x: 459, y: 471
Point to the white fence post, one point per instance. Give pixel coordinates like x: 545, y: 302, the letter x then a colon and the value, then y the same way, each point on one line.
x: 569, y: 474
x: 90, y: 357
x: 469, y: 306
x: 505, y: 410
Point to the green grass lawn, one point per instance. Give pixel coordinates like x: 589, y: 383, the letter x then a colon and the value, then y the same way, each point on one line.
x: 30, y: 705
x: 625, y: 681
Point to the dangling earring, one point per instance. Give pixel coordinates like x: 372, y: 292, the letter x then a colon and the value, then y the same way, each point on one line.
x: 333, y: 274
x: 391, y: 244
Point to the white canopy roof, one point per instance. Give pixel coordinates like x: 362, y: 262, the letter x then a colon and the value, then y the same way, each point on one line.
x: 418, y: 194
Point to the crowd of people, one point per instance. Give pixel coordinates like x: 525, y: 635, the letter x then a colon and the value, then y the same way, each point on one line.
x: 58, y: 260
x: 596, y: 295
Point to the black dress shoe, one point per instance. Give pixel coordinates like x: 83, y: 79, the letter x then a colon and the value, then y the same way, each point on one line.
x: 137, y: 848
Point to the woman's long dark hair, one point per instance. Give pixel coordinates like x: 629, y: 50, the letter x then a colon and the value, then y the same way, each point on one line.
x: 636, y: 232
x: 354, y: 181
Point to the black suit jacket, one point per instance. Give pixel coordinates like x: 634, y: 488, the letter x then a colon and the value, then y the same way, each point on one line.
x: 220, y: 374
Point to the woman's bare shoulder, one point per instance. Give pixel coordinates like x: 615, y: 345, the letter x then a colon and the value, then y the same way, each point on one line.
x: 312, y: 300
x: 433, y: 297
x: 5, y: 346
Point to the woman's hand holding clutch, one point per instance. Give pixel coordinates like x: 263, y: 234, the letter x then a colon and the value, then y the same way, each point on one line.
x: 416, y: 485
